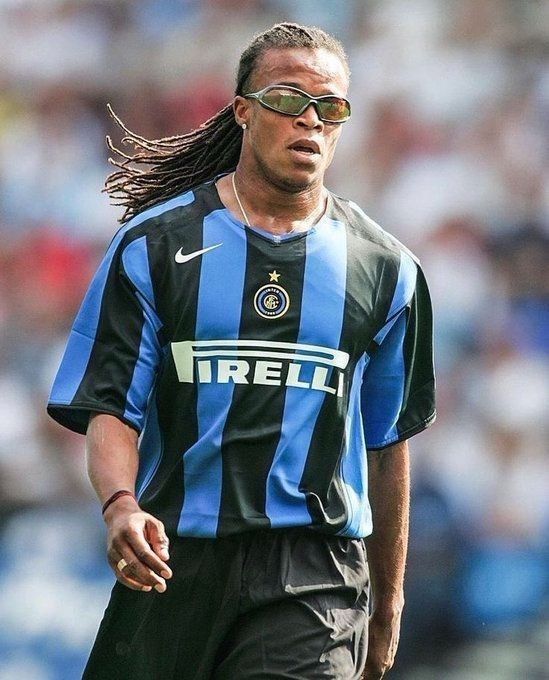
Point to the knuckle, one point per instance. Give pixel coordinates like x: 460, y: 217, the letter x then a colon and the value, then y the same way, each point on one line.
x: 132, y: 535
x: 120, y: 538
x: 126, y: 533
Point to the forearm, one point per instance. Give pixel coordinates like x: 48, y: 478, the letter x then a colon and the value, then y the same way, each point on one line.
x: 137, y: 546
x: 111, y: 455
x: 389, y: 494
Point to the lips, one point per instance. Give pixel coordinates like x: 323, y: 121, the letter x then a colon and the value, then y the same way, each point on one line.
x: 306, y: 146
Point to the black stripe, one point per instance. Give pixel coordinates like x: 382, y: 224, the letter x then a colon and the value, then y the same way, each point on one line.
x: 114, y: 354
x: 258, y: 409
x: 418, y: 403
x: 176, y: 291
x: 120, y: 320
x: 370, y: 281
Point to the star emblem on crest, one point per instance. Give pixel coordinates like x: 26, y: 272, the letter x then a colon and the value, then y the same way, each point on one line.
x: 274, y: 276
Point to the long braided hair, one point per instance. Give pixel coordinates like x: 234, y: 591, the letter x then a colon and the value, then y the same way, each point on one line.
x: 160, y: 169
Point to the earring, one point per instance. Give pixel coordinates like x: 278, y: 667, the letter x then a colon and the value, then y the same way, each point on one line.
x: 244, y: 126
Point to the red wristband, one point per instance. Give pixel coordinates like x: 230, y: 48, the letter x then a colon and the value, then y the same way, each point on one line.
x: 116, y: 495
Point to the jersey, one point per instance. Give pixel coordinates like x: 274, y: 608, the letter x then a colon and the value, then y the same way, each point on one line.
x: 257, y: 369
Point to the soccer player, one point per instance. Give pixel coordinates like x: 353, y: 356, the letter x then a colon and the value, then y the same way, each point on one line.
x: 248, y: 363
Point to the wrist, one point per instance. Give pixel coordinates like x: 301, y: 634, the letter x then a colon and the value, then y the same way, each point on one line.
x: 125, y: 504
x: 121, y: 499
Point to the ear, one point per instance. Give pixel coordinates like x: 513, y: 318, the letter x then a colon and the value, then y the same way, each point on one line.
x: 241, y: 108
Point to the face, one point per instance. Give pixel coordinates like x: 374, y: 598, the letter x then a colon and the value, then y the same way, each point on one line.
x: 271, y: 142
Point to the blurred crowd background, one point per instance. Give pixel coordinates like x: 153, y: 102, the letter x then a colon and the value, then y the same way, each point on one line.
x: 448, y: 149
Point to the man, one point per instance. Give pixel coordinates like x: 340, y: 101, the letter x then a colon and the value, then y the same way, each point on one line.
x: 259, y: 333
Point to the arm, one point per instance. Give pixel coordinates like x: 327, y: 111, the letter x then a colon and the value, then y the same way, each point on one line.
x: 136, y: 536
x: 389, y: 492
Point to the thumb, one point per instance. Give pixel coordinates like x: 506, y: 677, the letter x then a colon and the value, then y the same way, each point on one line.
x: 157, y: 538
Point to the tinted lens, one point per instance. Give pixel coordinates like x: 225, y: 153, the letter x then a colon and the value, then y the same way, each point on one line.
x: 334, y: 109
x: 285, y: 101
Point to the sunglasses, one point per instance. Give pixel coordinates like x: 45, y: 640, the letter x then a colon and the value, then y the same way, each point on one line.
x: 291, y: 101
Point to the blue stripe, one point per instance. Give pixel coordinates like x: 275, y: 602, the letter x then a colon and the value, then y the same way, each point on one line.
x: 321, y: 322
x: 354, y: 465
x: 218, y: 316
x: 136, y: 265
x: 383, y: 387
x: 144, y: 374
x: 151, y: 448
x: 82, y: 338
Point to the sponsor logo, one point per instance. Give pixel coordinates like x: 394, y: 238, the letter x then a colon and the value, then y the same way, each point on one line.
x: 180, y: 258
x: 255, y: 362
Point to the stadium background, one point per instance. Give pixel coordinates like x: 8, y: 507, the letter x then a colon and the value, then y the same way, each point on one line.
x: 447, y: 149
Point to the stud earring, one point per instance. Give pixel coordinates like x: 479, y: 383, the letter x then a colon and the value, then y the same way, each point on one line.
x: 244, y: 126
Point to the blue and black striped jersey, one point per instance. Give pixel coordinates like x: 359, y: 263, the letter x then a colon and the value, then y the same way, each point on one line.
x: 257, y: 369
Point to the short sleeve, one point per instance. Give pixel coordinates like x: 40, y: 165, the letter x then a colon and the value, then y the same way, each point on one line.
x: 398, y: 388
x: 113, y: 351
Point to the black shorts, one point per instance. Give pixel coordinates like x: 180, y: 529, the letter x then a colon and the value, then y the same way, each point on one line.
x: 286, y: 604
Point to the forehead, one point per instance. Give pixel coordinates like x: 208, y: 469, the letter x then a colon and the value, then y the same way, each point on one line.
x: 317, y: 71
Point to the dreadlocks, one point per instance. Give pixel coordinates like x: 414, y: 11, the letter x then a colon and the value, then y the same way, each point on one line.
x: 160, y: 169
x: 175, y: 164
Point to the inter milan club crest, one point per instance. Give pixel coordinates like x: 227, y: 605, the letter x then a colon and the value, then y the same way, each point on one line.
x: 272, y: 301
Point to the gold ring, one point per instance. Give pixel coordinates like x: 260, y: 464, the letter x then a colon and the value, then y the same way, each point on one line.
x: 122, y: 565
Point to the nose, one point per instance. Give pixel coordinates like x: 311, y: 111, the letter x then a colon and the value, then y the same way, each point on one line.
x: 309, y: 118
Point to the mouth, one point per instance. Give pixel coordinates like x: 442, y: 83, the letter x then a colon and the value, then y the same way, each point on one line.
x: 305, y: 149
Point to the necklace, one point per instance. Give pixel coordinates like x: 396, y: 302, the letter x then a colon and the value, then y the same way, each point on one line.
x: 240, y: 204
x: 246, y: 216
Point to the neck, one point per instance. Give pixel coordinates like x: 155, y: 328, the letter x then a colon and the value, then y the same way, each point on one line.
x: 277, y: 208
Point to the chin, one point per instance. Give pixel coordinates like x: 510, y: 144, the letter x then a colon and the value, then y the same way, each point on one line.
x: 299, y: 181
x: 292, y: 179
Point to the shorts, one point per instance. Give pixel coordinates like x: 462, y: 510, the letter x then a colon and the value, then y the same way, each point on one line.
x: 289, y: 604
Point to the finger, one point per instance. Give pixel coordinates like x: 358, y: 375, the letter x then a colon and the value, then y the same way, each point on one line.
x: 157, y: 538
x: 148, y: 557
x: 135, y: 569
x: 133, y: 585
x: 125, y: 579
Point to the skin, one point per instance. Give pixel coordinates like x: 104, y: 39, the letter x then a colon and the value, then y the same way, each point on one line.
x: 281, y: 191
x: 387, y: 546
x: 138, y: 537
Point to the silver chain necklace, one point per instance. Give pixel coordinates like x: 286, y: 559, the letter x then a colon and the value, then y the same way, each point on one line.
x: 240, y: 204
x: 246, y: 216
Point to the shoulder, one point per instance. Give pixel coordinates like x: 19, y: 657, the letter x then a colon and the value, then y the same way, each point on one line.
x: 172, y: 216
x: 396, y: 266
x: 364, y: 228
x: 158, y: 218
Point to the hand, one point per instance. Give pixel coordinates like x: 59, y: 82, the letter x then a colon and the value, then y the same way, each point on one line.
x: 140, y: 539
x: 383, y: 637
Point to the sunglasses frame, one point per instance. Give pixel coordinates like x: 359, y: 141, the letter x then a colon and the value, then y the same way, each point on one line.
x: 312, y: 100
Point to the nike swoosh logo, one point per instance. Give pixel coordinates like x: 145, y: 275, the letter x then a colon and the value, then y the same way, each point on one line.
x: 180, y: 258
